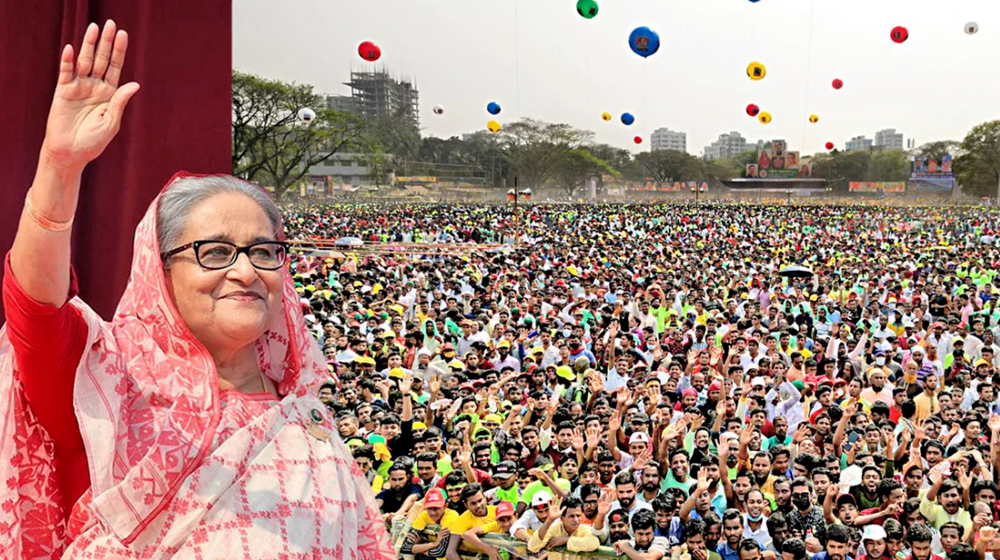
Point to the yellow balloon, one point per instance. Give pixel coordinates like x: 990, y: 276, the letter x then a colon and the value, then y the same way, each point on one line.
x: 756, y: 71
x: 605, y: 116
x: 493, y: 126
x: 764, y: 117
x: 813, y: 118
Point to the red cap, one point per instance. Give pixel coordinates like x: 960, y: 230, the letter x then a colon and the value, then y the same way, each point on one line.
x: 434, y: 499
x: 505, y: 509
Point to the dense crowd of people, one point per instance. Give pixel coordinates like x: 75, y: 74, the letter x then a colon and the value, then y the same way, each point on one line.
x: 655, y: 379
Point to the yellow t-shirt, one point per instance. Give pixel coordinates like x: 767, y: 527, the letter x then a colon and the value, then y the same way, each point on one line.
x: 467, y: 521
x: 423, y: 520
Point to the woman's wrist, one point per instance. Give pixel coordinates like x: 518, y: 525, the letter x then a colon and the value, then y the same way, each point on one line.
x: 55, y: 190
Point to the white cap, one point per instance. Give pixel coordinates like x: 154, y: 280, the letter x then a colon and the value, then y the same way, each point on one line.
x: 758, y: 382
x: 873, y: 533
x: 851, y: 476
x: 540, y: 499
x: 919, y: 350
x: 640, y: 437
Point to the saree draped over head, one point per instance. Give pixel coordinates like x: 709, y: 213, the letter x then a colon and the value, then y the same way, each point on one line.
x: 179, y: 468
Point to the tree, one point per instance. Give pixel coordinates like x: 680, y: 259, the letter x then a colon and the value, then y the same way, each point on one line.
x: 978, y: 166
x: 667, y: 166
x: 939, y: 149
x: 534, y: 149
x: 271, y: 145
x: 577, y: 167
x: 397, y: 133
x: 889, y: 165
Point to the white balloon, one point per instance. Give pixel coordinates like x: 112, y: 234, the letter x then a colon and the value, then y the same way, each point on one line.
x: 307, y: 115
x: 438, y: 110
x: 972, y: 28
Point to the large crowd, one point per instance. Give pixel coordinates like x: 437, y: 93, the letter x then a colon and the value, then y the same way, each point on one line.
x: 656, y: 379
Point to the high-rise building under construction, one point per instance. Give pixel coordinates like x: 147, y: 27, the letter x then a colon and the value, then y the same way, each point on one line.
x: 378, y: 93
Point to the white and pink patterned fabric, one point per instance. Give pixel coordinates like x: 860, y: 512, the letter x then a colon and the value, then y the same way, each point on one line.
x: 178, y: 468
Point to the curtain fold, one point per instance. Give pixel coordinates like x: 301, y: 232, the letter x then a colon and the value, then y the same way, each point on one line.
x: 180, y: 51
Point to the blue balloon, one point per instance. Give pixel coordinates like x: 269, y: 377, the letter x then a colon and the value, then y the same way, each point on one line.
x: 493, y: 108
x: 627, y: 119
x: 644, y: 41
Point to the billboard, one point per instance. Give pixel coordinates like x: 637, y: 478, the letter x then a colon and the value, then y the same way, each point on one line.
x: 774, y: 161
x: 931, y: 184
x: 896, y: 187
x: 927, y: 167
x: 652, y: 185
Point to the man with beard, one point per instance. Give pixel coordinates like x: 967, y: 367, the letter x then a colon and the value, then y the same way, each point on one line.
x: 650, y: 480
x: 564, y: 527
x: 625, y: 490
x: 644, y: 545
x: 399, y: 497
x: 732, y: 534
x: 435, y: 512
x: 478, y: 513
x: 919, y: 537
x: 761, y: 468
x: 866, y: 493
x: 948, y: 493
x: 777, y: 530
x: 617, y: 526
x: 837, y: 539
x: 427, y: 470
x: 805, y: 517
x: 892, y: 496
x: 590, y: 497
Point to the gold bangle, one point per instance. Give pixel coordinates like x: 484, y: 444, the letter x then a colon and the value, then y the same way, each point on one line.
x: 42, y: 221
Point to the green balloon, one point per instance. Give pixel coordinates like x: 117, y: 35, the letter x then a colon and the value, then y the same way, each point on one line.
x: 586, y: 8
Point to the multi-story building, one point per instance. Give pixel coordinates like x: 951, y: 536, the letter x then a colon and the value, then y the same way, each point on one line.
x: 728, y: 145
x: 378, y: 93
x: 666, y: 139
x: 889, y: 139
x: 858, y: 143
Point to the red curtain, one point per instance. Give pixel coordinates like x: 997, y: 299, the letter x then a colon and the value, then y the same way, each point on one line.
x: 180, y: 51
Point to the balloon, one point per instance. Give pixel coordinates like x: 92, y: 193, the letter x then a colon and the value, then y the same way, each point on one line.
x: 369, y: 51
x: 606, y: 116
x: 813, y: 119
x: 838, y: 83
x: 644, y: 41
x: 586, y: 8
x: 493, y: 108
x: 493, y: 126
x: 899, y: 34
x: 829, y: 145
x: 307, y: 115
x: 971, y: 28
x: 764, y: 117
x: 753, y: 110
x: 438, y: 110
x: 627, y: 119
x: 756, y: 71
x: 637, y: 139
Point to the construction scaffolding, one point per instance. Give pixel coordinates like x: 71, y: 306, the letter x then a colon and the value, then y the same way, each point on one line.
x: 377, y: 93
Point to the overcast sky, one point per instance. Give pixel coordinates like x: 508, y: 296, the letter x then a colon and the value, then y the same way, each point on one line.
x: 539, y: 59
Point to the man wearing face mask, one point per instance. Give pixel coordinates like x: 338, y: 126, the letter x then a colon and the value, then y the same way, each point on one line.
x: 806, y: 517
x: 578, y: 350
x: 880, y: 390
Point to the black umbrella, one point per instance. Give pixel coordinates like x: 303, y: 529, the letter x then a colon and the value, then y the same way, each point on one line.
x: 796, y: 272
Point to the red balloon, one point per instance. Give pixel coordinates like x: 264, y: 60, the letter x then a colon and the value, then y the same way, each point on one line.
x: 369, y: 51
x: 637, y: 139
x: 753, y: 110
x: 838, y: 83
x: 829, y: 145
x: 899, y: 34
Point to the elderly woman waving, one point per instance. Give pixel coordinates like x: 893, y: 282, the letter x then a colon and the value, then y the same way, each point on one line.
x: 187, y: 426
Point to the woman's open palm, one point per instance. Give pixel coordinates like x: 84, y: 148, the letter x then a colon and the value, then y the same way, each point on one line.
x: 88, y: 104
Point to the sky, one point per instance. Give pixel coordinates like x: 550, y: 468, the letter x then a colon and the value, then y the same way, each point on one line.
x: 540, y: 59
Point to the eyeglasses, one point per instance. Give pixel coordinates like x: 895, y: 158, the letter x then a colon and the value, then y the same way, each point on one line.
x: 217, y: 255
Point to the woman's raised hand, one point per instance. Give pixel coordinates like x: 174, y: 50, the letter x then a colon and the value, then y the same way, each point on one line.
x: 88, y: 103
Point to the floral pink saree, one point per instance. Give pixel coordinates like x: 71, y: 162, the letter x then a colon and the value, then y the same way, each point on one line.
x: 178, y: 468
